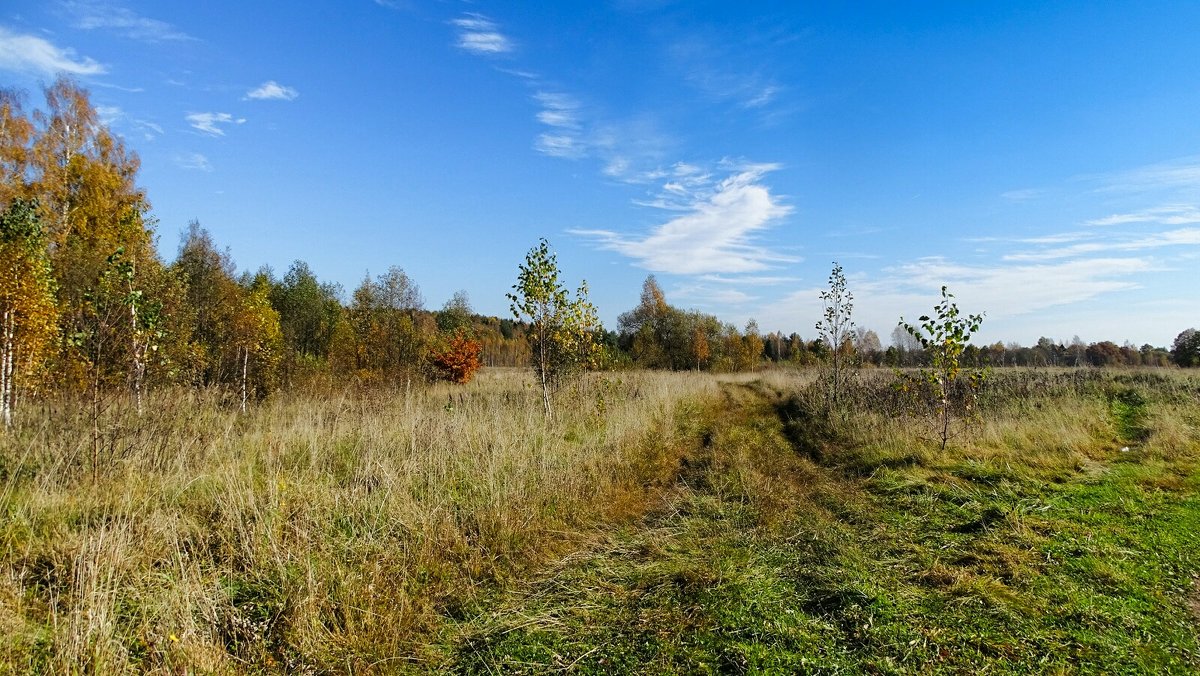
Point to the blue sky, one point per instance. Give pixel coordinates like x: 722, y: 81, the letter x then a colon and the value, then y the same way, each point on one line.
x: 1041, y: 159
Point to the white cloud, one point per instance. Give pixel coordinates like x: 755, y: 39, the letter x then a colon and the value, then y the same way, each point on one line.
x: 109, y: 114
x: 208, y: 122
x: 193, y: 161
x: 751, y: 280
x: 481, y: 35
x: 272, y: 91
x: 149, y: 129
x: 1182, y: 173
x: 113, y: 116
x: 558, y: 110
x: 1179, y: 237
x: 567, y: 146
x: 1005, y: 293
x: 99, y: 15
x: 710, y: 298
x: 714, y: 236
x: 31, y: 54
x: 725, y: 72
x: 1172, y: 214
x: 1023, y: 194
x: 762, y: 98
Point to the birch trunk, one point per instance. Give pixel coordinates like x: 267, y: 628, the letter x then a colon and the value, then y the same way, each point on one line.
x: 6, y: 370
x: 245, y: 365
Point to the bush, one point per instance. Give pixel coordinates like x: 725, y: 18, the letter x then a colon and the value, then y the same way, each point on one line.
x: 458, y: 361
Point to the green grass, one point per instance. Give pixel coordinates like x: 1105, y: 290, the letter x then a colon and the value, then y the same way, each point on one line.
x: 820, y: 550
x: 662, y: 523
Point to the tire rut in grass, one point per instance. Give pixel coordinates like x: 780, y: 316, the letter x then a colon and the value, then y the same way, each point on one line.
x: 699, y: 585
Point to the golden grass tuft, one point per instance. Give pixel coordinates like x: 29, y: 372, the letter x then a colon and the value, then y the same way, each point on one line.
x: 321, y: 531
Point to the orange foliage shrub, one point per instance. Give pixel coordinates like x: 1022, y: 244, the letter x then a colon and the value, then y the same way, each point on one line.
x: 458, y: 361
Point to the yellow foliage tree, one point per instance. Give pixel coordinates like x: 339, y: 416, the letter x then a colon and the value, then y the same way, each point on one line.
x: 89, y: 203
x: 28, y: 316
x: 562, y: 331
x: 15, y: 133
x: 256, y: 336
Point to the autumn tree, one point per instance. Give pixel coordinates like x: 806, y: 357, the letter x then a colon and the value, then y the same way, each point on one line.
x: 255, y: 337
x: 16, y: 132
x: 90, y: 206
x: 866, y: 344
x: 700, y: 348
x: 562, y: 329
x: 457, y: 359
x: 84, y: 179
x: 28, y: 315
x: 114, y: 332
x: 1105, y: 353
x: 309, y: 315
x: 212, y: 297
x: 752, y: 347
x: 384, y: 316
x: 650, y: 328
x: 1185, y: 351
x: 455, y: 314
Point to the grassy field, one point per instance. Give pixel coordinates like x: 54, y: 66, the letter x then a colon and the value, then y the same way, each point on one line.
x: 661, y: 523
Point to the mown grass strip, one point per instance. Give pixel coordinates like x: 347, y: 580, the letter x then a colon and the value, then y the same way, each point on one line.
x: 771, y: 557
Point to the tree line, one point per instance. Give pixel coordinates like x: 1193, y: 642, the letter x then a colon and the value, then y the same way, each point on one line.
x: 88, y: 307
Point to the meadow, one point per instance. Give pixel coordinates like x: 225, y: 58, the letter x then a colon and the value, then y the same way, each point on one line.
x: 658, y: 523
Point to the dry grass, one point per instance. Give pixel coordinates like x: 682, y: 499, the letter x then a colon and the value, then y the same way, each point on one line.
x: 348, y: 529
x: 321, y: 532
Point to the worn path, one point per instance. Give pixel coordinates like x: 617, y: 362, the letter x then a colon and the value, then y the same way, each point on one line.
x: 763, y: 558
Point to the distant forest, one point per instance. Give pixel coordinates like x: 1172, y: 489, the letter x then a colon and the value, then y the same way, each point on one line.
x: 89, y: 305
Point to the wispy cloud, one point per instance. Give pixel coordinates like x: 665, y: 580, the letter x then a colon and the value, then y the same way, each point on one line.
x: 480, y: 35
x: 991, y: 288
x: 1180, y: 237
x: 1182, y: 173
x: 209, y: 122
x: 150, y: 130
x: 559, y: 112
x: 714, y: 70
x: 1171, y: 214
x: 911, y: 288
x: 751, y: 280
x: 115, y: 117
x: 764, y: 96
x: 109, y: 114
x: 625, y: 147
x: 1023, y: 195
x: 193, y: 161
x: 272, y: 91
x: 34, y: 55
x: 123, y: 21
x: 715, y: 235
x: 709, y: 297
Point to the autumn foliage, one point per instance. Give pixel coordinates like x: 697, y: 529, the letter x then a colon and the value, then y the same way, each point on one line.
x: 458, y: 361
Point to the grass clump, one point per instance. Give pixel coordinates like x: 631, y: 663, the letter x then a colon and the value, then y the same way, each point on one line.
x: 318, y: 532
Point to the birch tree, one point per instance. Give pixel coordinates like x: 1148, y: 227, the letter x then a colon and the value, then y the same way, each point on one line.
x: 562, y: 329
x: 836, y: 329
x: 28, y: 315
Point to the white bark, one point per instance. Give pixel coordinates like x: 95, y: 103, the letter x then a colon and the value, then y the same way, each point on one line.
x: 245, y: 365
x: 6, y: 369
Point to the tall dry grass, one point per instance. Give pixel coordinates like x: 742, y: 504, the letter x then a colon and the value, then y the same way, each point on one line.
x: 1045, y: 424
x: 326, y: 531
